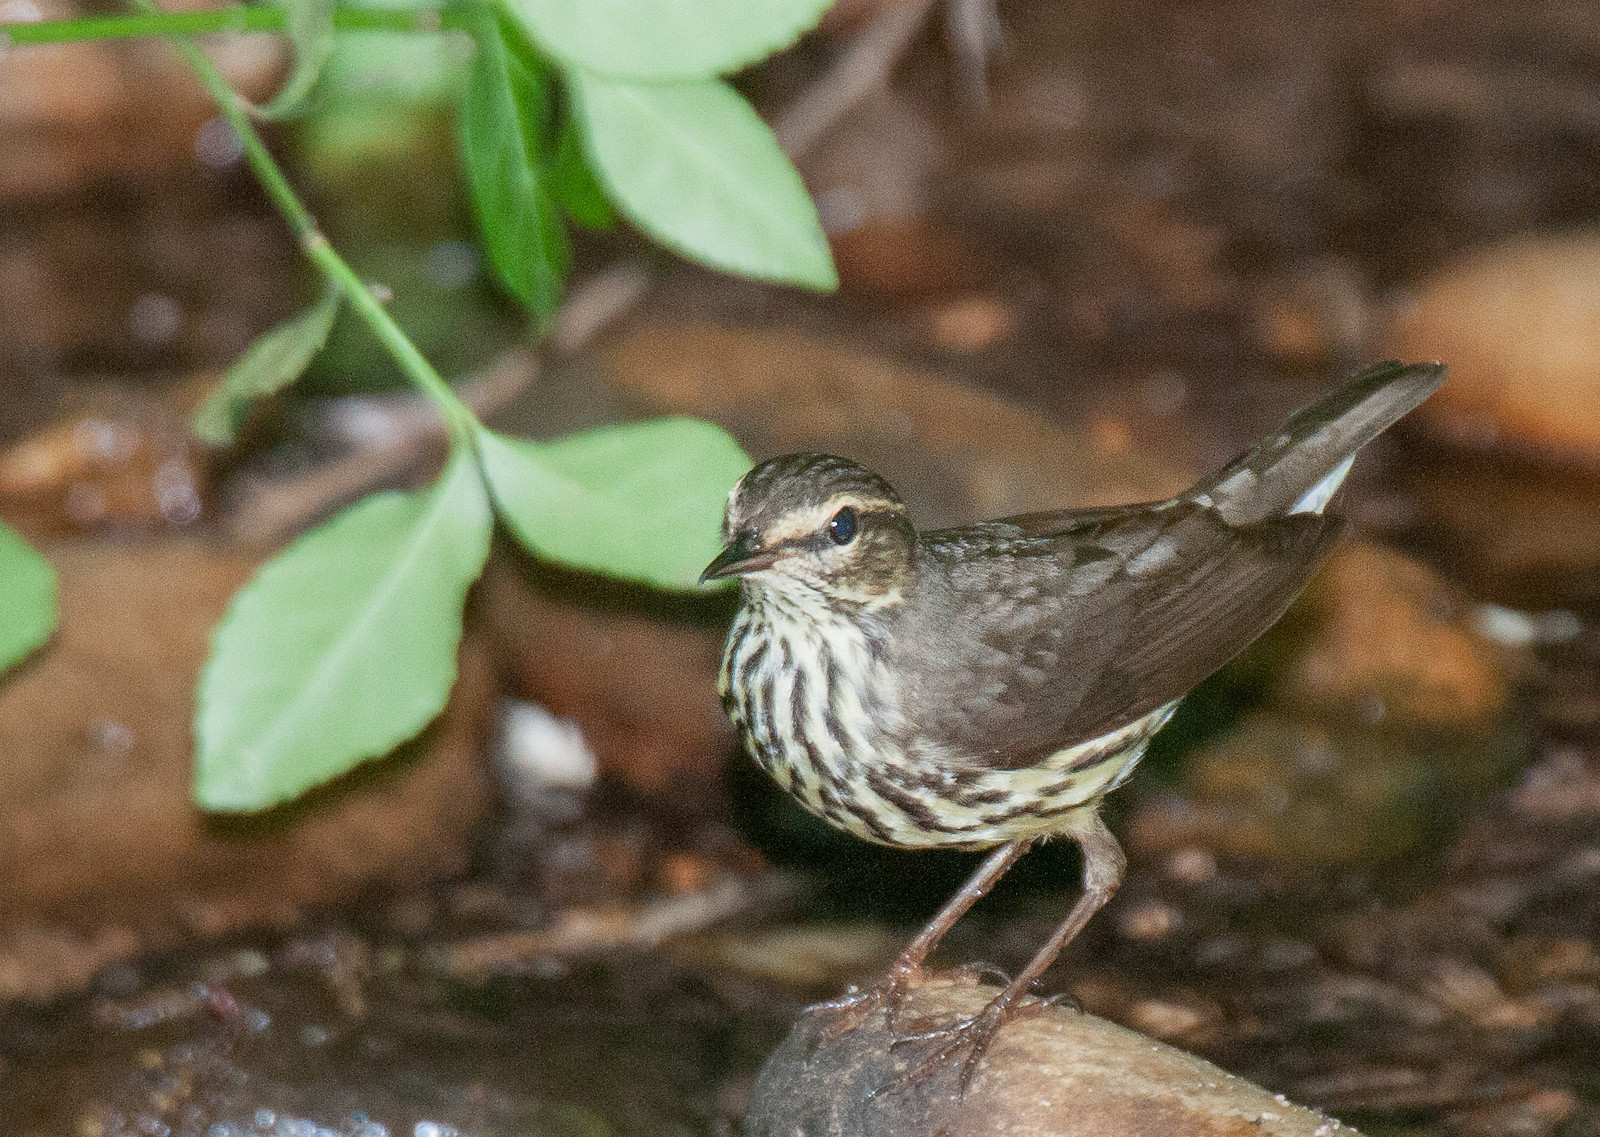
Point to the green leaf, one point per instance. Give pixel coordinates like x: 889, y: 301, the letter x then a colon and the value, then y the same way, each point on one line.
x: 642, y: 501
x: 502, y: 132
x: 28, y: 607
x: 692, y: 164
x: 378, y: 74
x: 309, y: 25
x: 573, y: 183
x: 666, y: 39
x: 343, y: 646
x: 276, y: 359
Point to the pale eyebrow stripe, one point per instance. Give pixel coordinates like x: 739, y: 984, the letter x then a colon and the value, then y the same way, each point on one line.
x: 811, y: 520
x: 815, y: 536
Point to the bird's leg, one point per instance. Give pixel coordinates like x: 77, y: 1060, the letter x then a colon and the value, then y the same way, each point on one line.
x: 1103, y: 866
x: 847, y: 1012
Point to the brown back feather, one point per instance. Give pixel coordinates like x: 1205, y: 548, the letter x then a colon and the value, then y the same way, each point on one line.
x: 1092, y: 619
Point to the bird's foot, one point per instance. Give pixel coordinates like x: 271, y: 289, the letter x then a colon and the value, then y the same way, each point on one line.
x: 966, y: 1042
x: 842, y: 1015
x: 1062, y: 999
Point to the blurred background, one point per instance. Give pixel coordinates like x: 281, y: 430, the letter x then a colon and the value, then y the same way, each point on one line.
x: 1365, y: 858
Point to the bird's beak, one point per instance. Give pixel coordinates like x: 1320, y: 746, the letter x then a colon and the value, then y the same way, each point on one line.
x: 743, y: 554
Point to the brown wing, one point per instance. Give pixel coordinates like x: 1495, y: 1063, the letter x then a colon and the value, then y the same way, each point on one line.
x: 1037, y: 632
x: 1051, y: 629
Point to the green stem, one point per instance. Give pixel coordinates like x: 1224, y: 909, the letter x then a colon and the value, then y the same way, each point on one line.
x: 235, y: 18
x: 462, y: 422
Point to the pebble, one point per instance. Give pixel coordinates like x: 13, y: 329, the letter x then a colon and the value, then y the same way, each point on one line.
x: 126, y: 462
x: 68, y: 107
x: 1519, y: 325
x: 971, y: 324
x: 1382, y: 637
x: 1295, y: 795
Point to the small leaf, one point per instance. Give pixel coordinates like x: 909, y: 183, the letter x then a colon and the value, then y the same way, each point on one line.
x: 666, y: 39
x: 502, y: 134
x: 642, y: 501
x: 343, y: 646
x: 309, y: 25
x: 28, y: 606
x: 276, y: 359
x: 692, y: 164
x: 573, y: 182
x: 381, y: 73
x: 384, y: 73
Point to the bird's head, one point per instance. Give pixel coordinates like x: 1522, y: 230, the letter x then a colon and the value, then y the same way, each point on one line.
x: 812, y: 523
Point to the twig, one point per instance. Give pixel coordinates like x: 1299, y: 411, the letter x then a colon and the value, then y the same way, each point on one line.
x: 597, y: 303
x: 589, y: 931
x: 862, y: 69
x: 375, y: 421
x: 974, y: 33
x: 270, y: 512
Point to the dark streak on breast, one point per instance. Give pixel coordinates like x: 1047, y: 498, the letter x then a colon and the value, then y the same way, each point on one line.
x: 907, y: 803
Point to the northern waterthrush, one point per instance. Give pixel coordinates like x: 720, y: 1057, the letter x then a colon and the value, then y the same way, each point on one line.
x: 986, y: 686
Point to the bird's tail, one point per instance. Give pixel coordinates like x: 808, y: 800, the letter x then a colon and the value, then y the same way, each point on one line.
x: 1298, y: 469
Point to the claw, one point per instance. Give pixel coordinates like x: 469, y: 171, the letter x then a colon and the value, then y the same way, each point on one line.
x: 849, y: 1011
x: 974, y: 1036
x: 1062, y: 999
x: 978, y: 971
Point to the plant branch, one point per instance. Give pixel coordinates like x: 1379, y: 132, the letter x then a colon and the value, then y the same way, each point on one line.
x: 460, y: 418
x: 234, y: 18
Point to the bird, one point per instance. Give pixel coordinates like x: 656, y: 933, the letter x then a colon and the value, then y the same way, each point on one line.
x: 985, y: 687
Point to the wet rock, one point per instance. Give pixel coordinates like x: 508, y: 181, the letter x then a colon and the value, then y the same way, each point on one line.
x: 1381, y: 638
x: 1514, y: 529
x: 1297, y: 795
x: 73, y: 115
x: 126, y: 460
x: 1519, y: 325
x: 1280, y: 790
x: 104, y: 855
x: 1053, y: 1073
x: 324, y: 1031
x: 304, y: 1068
x: 956, y: 453
x: 1510, y: 486
x: 127, y: 284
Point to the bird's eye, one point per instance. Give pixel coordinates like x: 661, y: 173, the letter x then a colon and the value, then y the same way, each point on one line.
x: 842, y: 526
